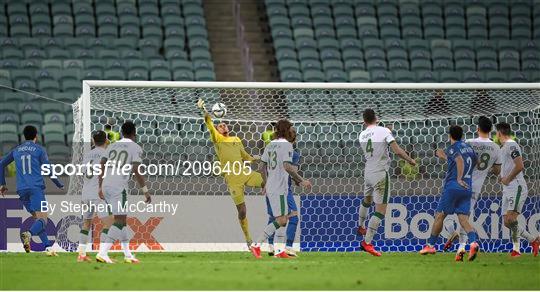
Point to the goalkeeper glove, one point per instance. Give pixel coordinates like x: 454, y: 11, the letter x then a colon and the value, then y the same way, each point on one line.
x: 200, y: 105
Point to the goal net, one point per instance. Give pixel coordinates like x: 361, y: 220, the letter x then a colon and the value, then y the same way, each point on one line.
x: 328, y: 120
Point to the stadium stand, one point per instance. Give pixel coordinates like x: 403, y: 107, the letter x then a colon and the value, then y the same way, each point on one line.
x: 406, y: 41
x: 49, y: 47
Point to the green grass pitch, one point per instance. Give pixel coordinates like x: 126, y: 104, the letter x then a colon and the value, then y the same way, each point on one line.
x: 239, y: 271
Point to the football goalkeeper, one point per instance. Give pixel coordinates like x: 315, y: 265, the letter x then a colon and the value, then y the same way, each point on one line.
x: 230, y: 149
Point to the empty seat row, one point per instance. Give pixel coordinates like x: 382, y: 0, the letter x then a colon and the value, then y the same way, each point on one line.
x: 408, y: 76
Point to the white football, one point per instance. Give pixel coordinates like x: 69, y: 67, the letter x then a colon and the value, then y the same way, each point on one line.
x: 219, y: 110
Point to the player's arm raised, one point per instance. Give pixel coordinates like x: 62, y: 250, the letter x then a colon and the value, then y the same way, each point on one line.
x: 292, y: 170
x: 518, y: 167
x: 401, y: 153
x: 3, y: 164
x: 141, y: 181
x: 208, y: 121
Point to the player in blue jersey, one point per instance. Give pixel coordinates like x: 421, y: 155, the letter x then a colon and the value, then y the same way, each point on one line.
x: 293, y: 210
x: 457, y: 192
x: 29, y: 157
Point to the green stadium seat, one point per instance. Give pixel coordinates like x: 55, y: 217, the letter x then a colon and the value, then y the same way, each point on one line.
x: 420, y: 64
x: 312, y: 75
x: 471, y: 77
x: 8, y: 129
x: 31, y: 118
x: 306, y: 54
x: 205, y: 75
x: 426, y: 77
x: 14, y: 8
x: 160, y: 75
x: 19, y: 30
x: 195, y: 10
x: 346, y: 32
x: 495, y: 77
x: 336, y: 76
x: 53, y: 128
x: 328, y: 65
x: 183, y: 75
x: 487, y: 65
x: 284, y: 44
x: 449, y: 77
x: 71, y: 86
x: 397, y: 53
x: 291, y: 76
x: 379, y: 76
x: 517, y: 76
x: 530, y: 66
x: 310, y: 64
x: 284, y: 65
x: 52, y: 141
x: 398, y: 64
x: 286, y: 54
x: 181, y: 65
x: 114, y: 74
x: 465, y: 65
x: 403, y: 76
x: 443, y: 65
x: 137, y: 74
x: 92, y: 74
x: 376, y: 64
x: 364, y: 10
x: 48, y: 86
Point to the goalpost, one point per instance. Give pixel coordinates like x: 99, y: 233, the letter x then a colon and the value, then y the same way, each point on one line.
x: 327, y: 117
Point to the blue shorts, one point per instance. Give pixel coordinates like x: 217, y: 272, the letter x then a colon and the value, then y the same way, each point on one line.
x: 455, y: 200
x: 290, y: 203
x: 31, y: 199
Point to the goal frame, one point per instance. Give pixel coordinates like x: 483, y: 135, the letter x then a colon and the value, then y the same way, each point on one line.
x: 84, y: 106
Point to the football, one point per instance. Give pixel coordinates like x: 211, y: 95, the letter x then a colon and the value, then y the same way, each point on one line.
x: 219, y: 110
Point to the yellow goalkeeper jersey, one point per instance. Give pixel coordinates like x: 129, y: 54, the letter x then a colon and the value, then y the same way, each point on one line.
x: 228, y: 149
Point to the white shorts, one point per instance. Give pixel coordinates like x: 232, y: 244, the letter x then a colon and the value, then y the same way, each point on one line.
x: 116, y: 198
x: 377, y: 185
x: 278, y: 204
x: 514, y: 197
x: 95, y: 207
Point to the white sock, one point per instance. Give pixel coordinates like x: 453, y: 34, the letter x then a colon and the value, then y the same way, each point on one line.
x: 362, y: 214
x: 125, y: 247
x: 450, y: 227
x: 463, y: 238
x: 373, y: 225
x: 525, y: 234
x: 516, y: 245
x: 105, y: 244
x: 269, y: 230
x: 279, y: 239
x: 124, y: 241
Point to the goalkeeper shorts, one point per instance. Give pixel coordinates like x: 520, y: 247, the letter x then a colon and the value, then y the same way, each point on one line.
x: 237, y: 183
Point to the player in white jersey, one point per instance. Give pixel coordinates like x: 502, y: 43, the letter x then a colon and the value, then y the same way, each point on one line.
x: 113, y: 184
x: 375, y: 141
x: 277, y: 167
x: 93, y: 205
x: 514, y: 189
x: 487, y: 152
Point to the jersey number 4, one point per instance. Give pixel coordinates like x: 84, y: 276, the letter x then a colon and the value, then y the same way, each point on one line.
x: 369, y: 147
